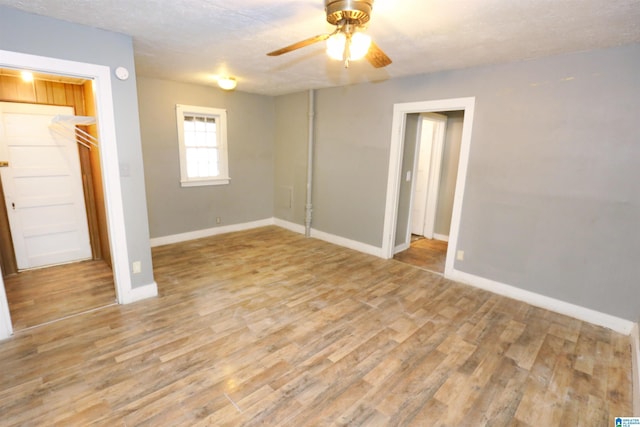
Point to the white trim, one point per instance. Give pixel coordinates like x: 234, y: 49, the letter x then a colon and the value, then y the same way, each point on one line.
x: 208, y: 232
x: 291, y: 226
x: 400, y: 112
x: 101, y: 76
x: 441, y: 237
x: 417, y: 159
x: 617, y: 324
x: 220, y: 117
x: 401, y: 247
x: 347, y: 243
x: 635, y: 360
x: 6, y: 328
x: 296, y: 228
x: 140, y: 293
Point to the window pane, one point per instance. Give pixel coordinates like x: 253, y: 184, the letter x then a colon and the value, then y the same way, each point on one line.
x: 202, y: 162
x: 200, y: 125
x: 200, y: 139
x: 189, y: 125
x: 192, y: 162
x: 200, y: 131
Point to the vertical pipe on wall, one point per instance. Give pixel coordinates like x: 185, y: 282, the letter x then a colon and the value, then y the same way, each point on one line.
x: 309, y: 205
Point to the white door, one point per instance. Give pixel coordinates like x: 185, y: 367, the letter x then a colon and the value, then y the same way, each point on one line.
x: 425, y: 140
x: 42, y: 186
x: 427, y: 176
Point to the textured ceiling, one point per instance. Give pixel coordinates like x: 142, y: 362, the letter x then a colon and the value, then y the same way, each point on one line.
x: 195, y: 40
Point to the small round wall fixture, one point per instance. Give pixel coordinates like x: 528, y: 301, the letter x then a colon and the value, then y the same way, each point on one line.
x: 122, y: 73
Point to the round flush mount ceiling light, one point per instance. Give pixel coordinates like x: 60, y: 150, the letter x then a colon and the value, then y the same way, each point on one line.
x: 27, y: 76
x: 227, y: 83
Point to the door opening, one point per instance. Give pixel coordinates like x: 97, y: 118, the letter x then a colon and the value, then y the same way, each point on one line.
x: 427, y: 169
x: 100, y: 76
x: 397, y: 229
x: 52, y: 201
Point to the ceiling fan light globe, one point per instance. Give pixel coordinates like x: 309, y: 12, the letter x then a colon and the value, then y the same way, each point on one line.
x: 335, y: 46
x: 360, y: 43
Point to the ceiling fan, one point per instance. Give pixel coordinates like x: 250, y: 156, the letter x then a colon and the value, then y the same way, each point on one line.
x: 348, y: 42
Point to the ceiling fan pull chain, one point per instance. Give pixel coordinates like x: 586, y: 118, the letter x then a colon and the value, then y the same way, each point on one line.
x: 347, y: 50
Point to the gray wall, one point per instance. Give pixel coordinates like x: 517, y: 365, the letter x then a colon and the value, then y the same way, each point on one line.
x: 250, y: 135
x: 408, y: 158
x: 449, y: 171
x: 291, y: 149
x: 36, y: 35
x: 553, y: 189
x: 353, y: 130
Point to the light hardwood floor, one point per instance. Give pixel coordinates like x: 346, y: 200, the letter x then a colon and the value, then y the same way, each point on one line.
x: 429, y: 254
x: 265, y: 327
x: 43, y: 295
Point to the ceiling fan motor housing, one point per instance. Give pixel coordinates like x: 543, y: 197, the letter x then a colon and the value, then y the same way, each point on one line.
x: 348, y: 11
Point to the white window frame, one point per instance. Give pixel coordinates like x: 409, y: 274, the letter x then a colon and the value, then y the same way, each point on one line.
x: 220, y: 115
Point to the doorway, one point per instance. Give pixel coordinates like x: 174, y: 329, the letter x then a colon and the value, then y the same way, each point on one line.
x: 436, y: 151
x: 396, y: 232
x: 101, y: 80
x: 50, y: 194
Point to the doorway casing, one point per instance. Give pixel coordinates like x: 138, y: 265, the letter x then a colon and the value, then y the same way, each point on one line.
x: 100, y: 74
x: 400, y: 112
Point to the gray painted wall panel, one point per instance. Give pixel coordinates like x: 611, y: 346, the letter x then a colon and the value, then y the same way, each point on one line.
x: 291, y: 149
x: 250, y: 134
x: 553, y: 196
x: 408, y: 158
x: 352, y: 148
x: 37, y: 35
x: 449, y: 171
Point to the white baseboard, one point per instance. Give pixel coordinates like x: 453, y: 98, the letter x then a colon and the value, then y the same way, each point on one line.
x: 401, y: 247
x: 140, y: 293
x: 198, y: 234
x: 442, y: 237
x: 602, y: 319
x: 291, y: 226
x: 347, y: 243
x: 635, y: 356
x: 614, y: 323
x: 331, y: 238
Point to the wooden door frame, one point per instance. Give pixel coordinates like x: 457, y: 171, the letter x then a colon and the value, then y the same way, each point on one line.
x: 101, y: 76
x: 400, y: 112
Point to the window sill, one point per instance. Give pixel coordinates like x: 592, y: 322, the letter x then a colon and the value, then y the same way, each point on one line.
x: 203, y: 182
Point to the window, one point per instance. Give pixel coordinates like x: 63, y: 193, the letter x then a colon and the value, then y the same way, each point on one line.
x: 202, y: 138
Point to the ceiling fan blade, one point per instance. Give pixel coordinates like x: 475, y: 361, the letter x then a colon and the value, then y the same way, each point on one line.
x: 300, y: 44
x: 377, y: 57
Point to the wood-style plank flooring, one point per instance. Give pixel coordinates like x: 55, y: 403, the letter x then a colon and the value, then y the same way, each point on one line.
x: 429, y: 254
x: 265, y: 327
x: 47, y: 294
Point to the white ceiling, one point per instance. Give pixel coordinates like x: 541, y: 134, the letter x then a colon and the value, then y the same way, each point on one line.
x: 195, y: 40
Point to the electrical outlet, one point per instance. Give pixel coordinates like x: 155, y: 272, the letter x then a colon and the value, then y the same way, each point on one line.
x: 218, y: 220
x: 136, y: 267
x: 460, y: 256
